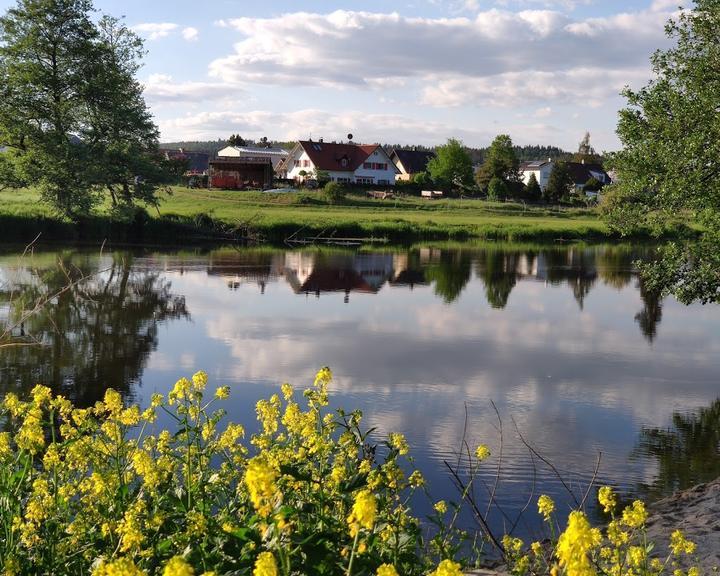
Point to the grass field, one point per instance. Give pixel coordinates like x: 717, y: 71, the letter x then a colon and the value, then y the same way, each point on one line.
x: 276, y: 216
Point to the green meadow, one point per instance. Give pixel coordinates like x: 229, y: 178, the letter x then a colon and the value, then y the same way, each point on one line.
x: 186, y: 214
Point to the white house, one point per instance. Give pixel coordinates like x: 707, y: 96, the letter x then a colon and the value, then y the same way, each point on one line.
x: 276, y: 155
x: 541, y: 169
x: 345, y: 163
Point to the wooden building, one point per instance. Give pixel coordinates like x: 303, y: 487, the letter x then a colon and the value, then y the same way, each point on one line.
x: 242, y: 173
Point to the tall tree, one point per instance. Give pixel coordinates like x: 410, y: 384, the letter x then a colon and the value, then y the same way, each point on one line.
x: 120, y: 133
x: 533, y: 192
x: 670, y: 159
x: 451, y: 167
x: 500, y: 162
x: 71, y: 110
x: 586, y: 153
x: 44, y: 47
x: 560, y: 184
x: 236, y: 140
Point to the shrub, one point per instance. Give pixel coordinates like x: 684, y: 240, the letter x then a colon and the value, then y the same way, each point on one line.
x: 334, y: 192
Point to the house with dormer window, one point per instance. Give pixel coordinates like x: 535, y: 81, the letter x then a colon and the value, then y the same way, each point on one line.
x: 345, y: 163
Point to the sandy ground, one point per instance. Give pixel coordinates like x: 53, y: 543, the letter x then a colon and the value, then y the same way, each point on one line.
x: 696, y: 512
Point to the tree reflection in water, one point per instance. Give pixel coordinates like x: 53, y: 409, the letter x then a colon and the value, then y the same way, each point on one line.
x: 96, y: 333
x: 688, y: 453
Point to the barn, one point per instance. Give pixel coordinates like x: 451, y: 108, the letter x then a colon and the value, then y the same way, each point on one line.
x: 241, y: 173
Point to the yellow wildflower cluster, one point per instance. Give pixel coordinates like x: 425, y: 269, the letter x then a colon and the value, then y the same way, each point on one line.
x: 546, y: 506
x: 104, y: 490
x: 581, y: 550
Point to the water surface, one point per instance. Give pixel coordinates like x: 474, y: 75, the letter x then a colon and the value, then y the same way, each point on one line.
x: 581, y: 361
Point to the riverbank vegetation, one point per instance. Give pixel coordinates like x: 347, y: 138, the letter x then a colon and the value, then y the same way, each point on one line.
x: 185, y: 215
x: 106, y: 489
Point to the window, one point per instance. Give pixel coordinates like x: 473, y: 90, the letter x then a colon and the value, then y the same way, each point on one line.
x: 367, y: 165
x: 343, y: 180
x: 343, y: 162
x: 364, y: 179
x: 306, y: 163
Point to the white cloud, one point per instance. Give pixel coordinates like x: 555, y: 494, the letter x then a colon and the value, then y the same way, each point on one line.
x: 190, y: 34
x: 319, y: 123
x: 583, y: 86
x: 543, y: 112
x: 359, y: 48
x: 155, y: 30
x: 162, y: 88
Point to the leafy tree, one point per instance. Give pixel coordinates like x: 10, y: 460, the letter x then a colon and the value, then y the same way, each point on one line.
x: 422, y: 178
x: 44, y: 74
x: 586, y: 153
x: 497, y: 189
x: 121, y: 135
x: 560, y: 184
x: 322, y: 176
x: 451, y: 167
x: 533, y: 191
x: 71, y: 110
x: 9, y: 176
x: 500, y: 162
x: 670, y: 159
x: 593, y: 185
x: 236, y: 140
x: 334, y: 192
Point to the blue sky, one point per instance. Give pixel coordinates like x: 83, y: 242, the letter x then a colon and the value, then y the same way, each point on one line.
x: 543, y: 71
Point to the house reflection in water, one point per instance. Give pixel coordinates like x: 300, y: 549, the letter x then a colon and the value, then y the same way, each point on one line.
x: 313, y: 273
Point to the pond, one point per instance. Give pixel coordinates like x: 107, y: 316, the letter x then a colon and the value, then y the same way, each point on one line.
x: 582, y: 363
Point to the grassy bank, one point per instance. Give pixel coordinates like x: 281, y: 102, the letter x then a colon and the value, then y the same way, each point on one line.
x: 187, y: 215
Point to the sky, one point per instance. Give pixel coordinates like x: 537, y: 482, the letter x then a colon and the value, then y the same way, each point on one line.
x: 406, y: 72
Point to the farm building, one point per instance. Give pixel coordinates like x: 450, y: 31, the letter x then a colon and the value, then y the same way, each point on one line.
x: 241, y: 173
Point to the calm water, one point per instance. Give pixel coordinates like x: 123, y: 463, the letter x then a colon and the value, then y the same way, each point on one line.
x: 577, y: 356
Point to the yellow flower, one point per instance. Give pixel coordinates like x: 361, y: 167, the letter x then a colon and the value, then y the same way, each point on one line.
x: 398, y: 442
x: 546, y: 506
x: 222, y: 393
x: 386, y: 570
x: 178, y: 567
x: 119, y: 567
x: 260, y: 481
x: 448, y: 568
x: 265, y: 565
x: 287, y: 391
x: 635, y: 515
x: 482, y: 452
x: 636, y: 556
x: 363, y: 512
x: 679, y: 544
x: 416, y: 479
x: 512, y: 545
x: 576, y: 543
x: 440, y: 507
x: 607, y: 498
x: 199, y: 381
x: 536, y: 548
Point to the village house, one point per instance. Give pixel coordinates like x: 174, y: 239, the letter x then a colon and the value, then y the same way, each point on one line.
x: 410, y: 162
x: 344, y: 163
x: 197, y: 162
x: 276, y: 155
x: 580, y: 173
x: 541, y: 169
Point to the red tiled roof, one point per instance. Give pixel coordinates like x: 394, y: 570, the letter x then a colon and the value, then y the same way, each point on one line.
x: 337, y: 157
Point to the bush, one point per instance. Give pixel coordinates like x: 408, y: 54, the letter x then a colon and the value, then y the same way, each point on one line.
x: 335, y: 192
